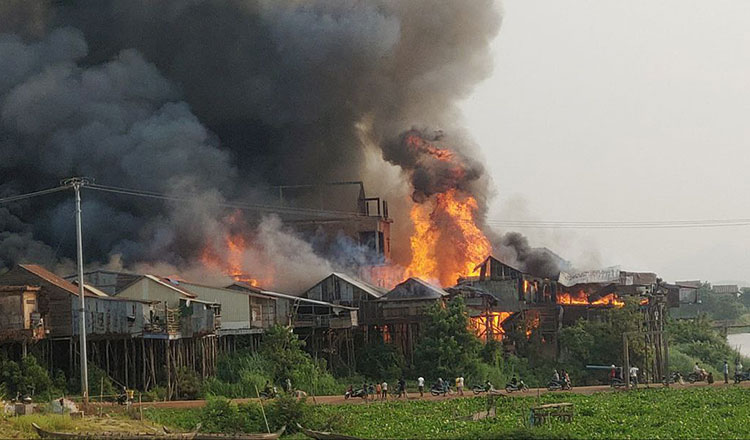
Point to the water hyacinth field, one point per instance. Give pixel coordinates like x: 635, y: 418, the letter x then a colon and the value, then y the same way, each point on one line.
x: 716, y: 412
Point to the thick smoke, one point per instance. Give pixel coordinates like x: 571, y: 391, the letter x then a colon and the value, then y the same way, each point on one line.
x: 120, y: 122
x: 212, y: 97
x: 515, y: 247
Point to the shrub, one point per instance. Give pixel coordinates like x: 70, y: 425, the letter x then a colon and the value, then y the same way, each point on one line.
x: 220, y: 415
x: 377, y: 359
x: 188, y: 384
x: 286, y: 411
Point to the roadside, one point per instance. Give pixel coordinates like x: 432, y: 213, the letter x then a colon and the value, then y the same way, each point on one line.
x: 413, y: 395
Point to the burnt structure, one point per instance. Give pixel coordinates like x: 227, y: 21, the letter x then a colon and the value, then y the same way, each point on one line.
x: 330, y: 211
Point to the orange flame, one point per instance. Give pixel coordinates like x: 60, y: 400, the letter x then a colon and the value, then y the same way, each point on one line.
x: 447, y: 243
x: 229, y: 257
x: 489, y: 325
x: 581, y: 299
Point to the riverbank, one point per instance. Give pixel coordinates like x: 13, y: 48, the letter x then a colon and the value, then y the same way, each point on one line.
x: 644, y: 413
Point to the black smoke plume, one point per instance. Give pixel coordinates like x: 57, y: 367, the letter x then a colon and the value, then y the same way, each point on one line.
x: 515, y: 247
x: 211, y: 98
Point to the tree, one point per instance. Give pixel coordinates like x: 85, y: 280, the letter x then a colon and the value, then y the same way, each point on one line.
x: 599, y: 342
x: 377, y: 359
x: 447, y: 347
x: 283, y: 350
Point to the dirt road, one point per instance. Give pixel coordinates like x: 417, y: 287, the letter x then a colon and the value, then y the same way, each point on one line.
x: 339, y: 400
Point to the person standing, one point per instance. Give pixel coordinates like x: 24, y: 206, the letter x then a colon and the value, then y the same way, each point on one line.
x: 634, y: 376
x: 402, y: 387
x: 420, y: 385
x: 288, y: 386
x: 384, y: 388
x: 460, y: 385
x: 726, y: 372
x: 378, y: 390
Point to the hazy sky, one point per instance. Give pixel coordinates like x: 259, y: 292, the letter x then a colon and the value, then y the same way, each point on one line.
x: 606, y: 110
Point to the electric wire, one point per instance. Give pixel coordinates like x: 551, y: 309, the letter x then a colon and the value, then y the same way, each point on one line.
x: 520, y: 224
x: 33, y: 194
x: 235, y: 205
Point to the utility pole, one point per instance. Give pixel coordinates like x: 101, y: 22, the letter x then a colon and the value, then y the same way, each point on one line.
x: 77, y: 183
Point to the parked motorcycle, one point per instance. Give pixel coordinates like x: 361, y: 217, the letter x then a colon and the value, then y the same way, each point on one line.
x: 675, y: 377
x: 616, y: 382
x: 695, y: 377
x: 355, y: 393
x: 741, y: 375
x: 435, y: 390
x: 520, y: 386
x: 557, y: 386
x: 479, y: 389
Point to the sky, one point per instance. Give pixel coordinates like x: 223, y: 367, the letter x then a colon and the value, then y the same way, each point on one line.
x: 602, y: 110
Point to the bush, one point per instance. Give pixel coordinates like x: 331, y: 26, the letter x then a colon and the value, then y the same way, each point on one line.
x: 188, y: 384
x: 220, y: 415
x: 287, y: 411
x: 377, y: 359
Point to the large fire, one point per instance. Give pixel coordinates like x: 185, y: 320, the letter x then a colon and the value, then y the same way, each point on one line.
x: 447, y: 242
x: 489, y: 325
x: 228, y: 255
x: 582, y: 299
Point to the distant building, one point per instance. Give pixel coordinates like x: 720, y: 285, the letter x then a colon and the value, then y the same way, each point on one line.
x: 726, y: 289
x: 688, y: 291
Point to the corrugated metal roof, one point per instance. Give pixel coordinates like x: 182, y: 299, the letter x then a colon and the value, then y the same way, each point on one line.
x: 414, y: 289
x: 289, y: 297
x: 226, y: 289
x: 55, y: 280
x: 70, y: 287
x: 374, y: 291
x: 172, y: 284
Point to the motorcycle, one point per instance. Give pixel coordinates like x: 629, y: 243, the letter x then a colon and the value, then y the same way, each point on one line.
x: 520, y: 386
x: 695, y: 377
x: 741, y: 375
x: 269, y: 394
x: 674, y: 377
x: 355, y: 393
x: 616, y: 382
x: 479, y: 389
x: 435, y: 390
x: 557, y: 386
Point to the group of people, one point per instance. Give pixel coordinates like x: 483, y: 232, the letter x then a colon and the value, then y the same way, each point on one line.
x: 379, y: 391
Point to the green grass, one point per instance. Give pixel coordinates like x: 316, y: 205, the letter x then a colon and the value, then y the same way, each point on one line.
x: 52, y: 422
x: 655, y: 413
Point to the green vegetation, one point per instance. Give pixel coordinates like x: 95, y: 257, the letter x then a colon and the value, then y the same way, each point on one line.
x: 715, y: 412
x: 27, y: 377
x: 447, y: 348
x: 279, y: 357
x: 695, y: 341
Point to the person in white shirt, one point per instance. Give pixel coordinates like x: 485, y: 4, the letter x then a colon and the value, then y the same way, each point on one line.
x: 384, y: 387
x: 460, y: 385
x: 634, y: 376
x: 420, y: 385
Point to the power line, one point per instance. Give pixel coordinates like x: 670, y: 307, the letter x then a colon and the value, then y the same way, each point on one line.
x: 235, y: 205
x: 676, y: 224
x: 33, y: 194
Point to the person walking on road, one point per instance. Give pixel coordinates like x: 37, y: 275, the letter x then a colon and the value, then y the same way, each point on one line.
x: 420, y: 386
x: 402, y: 387
x: 384, y: 387
x: 726, y: 372
x: 460, y: 385
x: 634, y: 376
